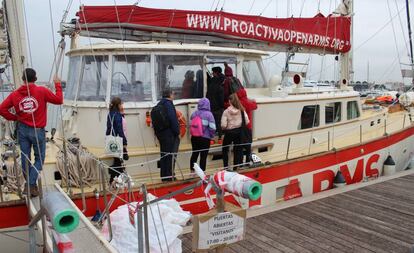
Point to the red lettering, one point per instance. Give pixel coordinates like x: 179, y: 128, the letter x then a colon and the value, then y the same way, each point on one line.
x: 369, y: 171
x: 318, y: 178
x: 358, y: 174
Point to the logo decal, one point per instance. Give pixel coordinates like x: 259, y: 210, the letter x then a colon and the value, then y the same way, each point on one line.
x: 28, y: 105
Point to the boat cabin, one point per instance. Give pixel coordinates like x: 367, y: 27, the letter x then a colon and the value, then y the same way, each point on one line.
x: 138, y: 72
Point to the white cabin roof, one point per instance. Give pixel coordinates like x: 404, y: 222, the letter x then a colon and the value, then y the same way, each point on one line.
x: 118, y: 47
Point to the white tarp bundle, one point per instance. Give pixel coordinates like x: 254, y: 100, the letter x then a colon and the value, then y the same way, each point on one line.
x: 165, y: 223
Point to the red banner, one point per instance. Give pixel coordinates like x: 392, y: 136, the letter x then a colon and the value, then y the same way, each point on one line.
x: 328, y: 33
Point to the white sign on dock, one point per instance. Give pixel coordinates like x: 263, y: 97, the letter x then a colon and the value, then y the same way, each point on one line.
x: 213, y: 230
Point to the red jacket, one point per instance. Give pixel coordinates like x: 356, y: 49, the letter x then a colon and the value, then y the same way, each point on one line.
x: 248, y: 104
x: 30, y: 101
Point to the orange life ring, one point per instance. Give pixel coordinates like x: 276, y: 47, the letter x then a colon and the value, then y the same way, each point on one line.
x: 182, y: 123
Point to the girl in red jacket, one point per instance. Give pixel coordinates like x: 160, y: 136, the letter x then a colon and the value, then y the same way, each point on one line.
x: 249, y: 106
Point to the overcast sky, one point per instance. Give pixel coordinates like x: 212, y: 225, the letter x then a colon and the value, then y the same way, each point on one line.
x: 372, y: 45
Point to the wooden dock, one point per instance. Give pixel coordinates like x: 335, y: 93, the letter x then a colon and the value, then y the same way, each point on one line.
x: 375, y: 218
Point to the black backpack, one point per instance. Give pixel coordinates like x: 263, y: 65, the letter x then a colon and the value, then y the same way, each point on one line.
x: 159, y: 118
x: 235, y: 85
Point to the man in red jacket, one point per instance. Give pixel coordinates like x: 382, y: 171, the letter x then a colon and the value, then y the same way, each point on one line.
x: 249, y: 105
x: 29, y: 102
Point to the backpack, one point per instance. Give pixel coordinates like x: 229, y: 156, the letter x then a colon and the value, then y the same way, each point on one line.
x: 196, y: 127
x: 159, y: 118
x: 235, y: 85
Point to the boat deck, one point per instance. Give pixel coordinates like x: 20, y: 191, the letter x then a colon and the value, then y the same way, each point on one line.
x: 84, y: 238
x: 376, y: 218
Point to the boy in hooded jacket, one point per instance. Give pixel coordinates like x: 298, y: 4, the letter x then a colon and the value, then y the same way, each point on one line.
x: 249, y: 106
x: 201, y: 144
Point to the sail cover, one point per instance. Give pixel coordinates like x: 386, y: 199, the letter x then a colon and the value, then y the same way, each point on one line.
x: 330, y: 34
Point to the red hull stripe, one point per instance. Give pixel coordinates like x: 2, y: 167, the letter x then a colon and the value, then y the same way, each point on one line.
x: 14, y: 216
x: 17, y: 215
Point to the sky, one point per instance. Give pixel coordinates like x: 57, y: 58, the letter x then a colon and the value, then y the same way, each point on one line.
x: 375, y: 23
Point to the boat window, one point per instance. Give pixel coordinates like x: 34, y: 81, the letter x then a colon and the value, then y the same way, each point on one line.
x: 131, y: 78
x: 352, y: 110
x: 309, y: 117
x: 73, y: 78
x: 218, y: 61
x: 93, y: 79
x: 183, y: 73
x: 252, y: 77
x: 332, y: 112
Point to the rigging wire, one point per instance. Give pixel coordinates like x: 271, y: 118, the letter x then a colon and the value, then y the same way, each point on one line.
x: 251, y: 7
x: 301, y: 8
x: 212, y: 5
x: 395, y: 36
x: 51, y: 25
x: 27, y: 35
x: 373, y: 35
x: 267, y: 5
x: 402, y: 27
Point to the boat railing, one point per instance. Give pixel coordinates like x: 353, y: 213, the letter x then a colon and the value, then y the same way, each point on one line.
x: 87, y: 170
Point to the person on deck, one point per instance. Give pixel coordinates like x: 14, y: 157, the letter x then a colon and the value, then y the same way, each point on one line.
x: 29, y: 103
x: 188, y: 83
x: 200, y: 140
x: 168, y: 137
x: 198, y: 90
x: 232, y: 123
x: 216, y: 98
x: 116, y: 126
x: 249, y: 106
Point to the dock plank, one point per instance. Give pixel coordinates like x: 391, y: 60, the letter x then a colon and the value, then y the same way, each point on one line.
x: 375, y: 218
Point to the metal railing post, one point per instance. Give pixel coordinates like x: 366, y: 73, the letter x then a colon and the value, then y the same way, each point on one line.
x: 405, y: 115
x: 287, y: 150
x: 329, y: 140
x: 145, y: 207
x: 80, y: 172
x: 16, y: 173
x: 65, y: 167
x: 140, y: 230
x: 40, y: 187
x: 106, y: 211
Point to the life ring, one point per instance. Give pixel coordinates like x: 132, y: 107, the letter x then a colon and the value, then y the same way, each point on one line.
x: 182, y: 123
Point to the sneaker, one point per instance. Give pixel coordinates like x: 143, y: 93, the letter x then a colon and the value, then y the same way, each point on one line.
x: 34, y: 191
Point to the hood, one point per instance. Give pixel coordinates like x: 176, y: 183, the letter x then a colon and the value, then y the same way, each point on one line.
x: 204, y: 104
x: 241, y: 94
x: 228, y: 71
x: 232, y: 110
x: 23, y: 89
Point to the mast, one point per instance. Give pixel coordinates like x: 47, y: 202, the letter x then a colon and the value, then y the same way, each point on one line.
x: 17, y: 38
x: 409, y: 36
x: 346, y: 58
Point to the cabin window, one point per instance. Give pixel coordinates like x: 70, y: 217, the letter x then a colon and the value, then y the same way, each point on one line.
x: 332, y: 112
x: 131, y: 78
x: 93, y: 79
x: 73, y: 78
x: 218, y: 61
x: 309, y: 117
x: 352, y: 110
x: 183, y: 73
x: 252, y: 76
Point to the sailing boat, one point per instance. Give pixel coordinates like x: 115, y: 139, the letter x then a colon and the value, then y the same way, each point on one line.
x: 304, y: 136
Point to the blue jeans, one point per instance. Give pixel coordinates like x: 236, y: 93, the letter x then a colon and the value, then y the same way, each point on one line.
x: 27, y: 139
